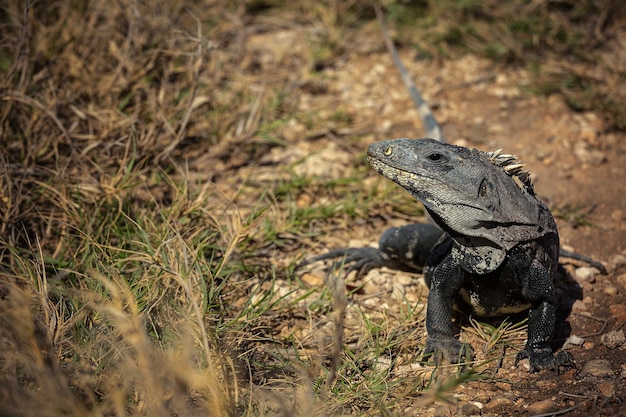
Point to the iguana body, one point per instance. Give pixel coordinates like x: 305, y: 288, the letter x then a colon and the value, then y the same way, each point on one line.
x: 494, y: 249
x: 500, y: 249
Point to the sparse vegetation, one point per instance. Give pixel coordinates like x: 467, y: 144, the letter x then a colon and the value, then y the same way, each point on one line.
x: 153, y: 205
x: 575, y: 214
x: 564, y: 42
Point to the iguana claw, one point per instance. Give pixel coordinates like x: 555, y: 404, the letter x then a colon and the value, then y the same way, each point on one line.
x: 544, y: 359
x: 361, y: 260
x: 450, y: 349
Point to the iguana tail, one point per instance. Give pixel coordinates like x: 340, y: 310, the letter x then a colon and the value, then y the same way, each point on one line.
x: 433, y: 130
x: 573, y: 255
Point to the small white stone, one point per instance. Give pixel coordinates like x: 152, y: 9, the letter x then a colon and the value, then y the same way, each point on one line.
x: 586, y: 273
x: 573, y: 340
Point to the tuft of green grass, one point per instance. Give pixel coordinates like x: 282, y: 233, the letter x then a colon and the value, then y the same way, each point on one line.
x: 496, y: 339
x: 576, y: 215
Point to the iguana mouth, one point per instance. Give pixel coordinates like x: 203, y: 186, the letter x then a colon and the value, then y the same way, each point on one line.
x: 394, y: 173
x: 406, y: 178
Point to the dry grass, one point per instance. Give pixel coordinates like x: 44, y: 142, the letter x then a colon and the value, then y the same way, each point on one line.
x: 146, y: 258
x: 112, y: 263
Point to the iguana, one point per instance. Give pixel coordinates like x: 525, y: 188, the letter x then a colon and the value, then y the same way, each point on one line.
x: 494, y: 247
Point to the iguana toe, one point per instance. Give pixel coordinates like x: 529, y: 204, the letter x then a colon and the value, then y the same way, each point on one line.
x: 361, y: 260
x: 448, y: 348
x: 542, y: 358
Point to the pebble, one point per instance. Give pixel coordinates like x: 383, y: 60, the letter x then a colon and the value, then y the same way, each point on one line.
x: 589, y: 156
x: 613, y: 339
x: 312, y: 280
x: 397, y: 291
x: 544, y: 384
x: 621, y: 279
x: 617, y: 261
x: 589, y: 346
x: 598, y: 367
x: 405, y: 279
x: 495, y: 128
x: 410, y: 370
x: 611, y: 290
x: 618, y: 311
x: 580, y: 306
x: 443, y: 412
x: 607, y: 389
x: 470, y: 409
x: 461, y: 142
x: 379, y: 279
x: 542, y: 407
x: 294, y: 130
x: 573, y: 340
x: 499, y: 403
x: 586, y: 273
x: 505, y: 92
x: 382, y: 363
x: 504, y: 386
x: 304, y: 200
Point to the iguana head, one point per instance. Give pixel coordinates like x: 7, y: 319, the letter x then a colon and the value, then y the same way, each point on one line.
x: 479, y: 198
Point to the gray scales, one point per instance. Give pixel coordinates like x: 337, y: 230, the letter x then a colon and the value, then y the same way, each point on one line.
x: 493, y: 249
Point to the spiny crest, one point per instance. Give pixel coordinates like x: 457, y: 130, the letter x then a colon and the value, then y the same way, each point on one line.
x: 513, y: 167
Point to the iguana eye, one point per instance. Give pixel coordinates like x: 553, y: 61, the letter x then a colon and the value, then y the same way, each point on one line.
x: 482, y: 191
x: 436, y: 157
x: 485, y: 189
x: 388, y: 151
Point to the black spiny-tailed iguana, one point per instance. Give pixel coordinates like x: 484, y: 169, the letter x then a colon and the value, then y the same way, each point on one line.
x: 494, y: 248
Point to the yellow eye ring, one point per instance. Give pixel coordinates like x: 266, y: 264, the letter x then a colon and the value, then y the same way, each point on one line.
x: 388, y: 151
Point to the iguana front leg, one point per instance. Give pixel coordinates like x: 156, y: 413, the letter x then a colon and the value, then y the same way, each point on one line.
x: 538, y: 289
x: 404, y: 248
x: 540, y: 327
x: 445, y: 281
